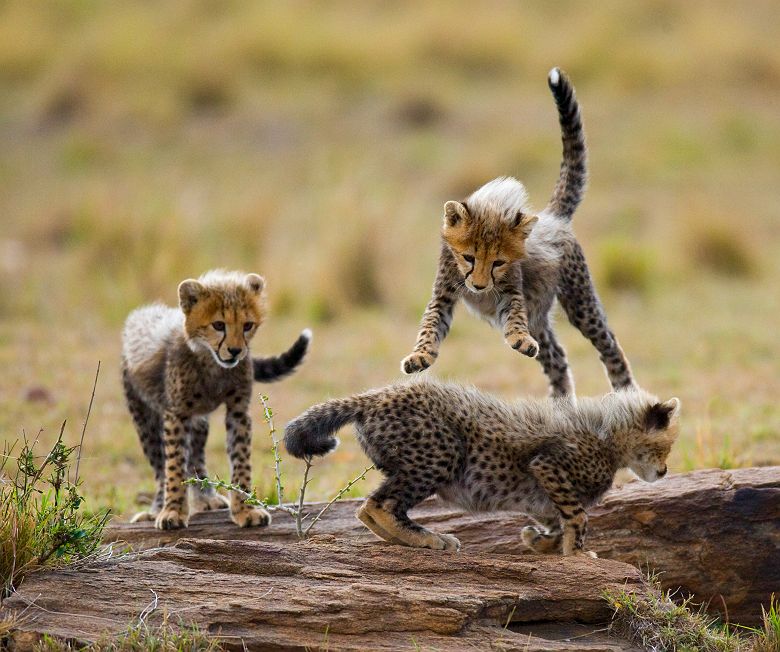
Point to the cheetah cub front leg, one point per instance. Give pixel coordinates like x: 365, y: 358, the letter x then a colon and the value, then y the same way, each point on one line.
x: 513, y: 315
x: 239, y: 430
x: 174, y: 513
x: 562, y: 493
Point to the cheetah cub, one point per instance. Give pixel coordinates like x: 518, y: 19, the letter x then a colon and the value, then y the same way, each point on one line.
x: 549, y: 458
x: 509, y: 265
x: 178, y: 366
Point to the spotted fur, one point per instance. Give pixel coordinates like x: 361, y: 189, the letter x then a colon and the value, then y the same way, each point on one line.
x: 550, y: 458
x: 509, y: 265
x: 178, y: 366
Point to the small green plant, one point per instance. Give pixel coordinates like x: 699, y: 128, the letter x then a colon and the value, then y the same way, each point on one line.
x: 41, y: 517
x: 294, y: 509
x: 768, y: 639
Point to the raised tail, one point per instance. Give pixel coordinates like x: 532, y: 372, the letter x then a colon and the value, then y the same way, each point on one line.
x: 574, y: 174
x: 276, y: 367
x: 312, y: 433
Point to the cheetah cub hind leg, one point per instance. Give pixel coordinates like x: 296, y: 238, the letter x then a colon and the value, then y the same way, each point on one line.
x: 395, y: 528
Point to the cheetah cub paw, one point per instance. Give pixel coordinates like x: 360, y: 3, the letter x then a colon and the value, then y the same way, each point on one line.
x: 205, y: 503
x: 450, y: 542
x: 417, y: 362
x: 536, y: 540
x: 251, y: 517
x: 170, y: 519
x: 523, y: 343
x: 142, y: 517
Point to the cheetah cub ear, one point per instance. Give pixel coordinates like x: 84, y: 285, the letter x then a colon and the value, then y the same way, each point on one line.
x: 661, y: 416
x: 255, y: 283
x: 522, y: 223
x: 454, y: 213
x: 190, y: 292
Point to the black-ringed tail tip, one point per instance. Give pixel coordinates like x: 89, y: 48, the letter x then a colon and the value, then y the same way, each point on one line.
x: 554, y: 76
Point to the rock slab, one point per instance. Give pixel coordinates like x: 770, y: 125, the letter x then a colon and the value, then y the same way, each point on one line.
x: 334, y: 595
x: 712, y: 534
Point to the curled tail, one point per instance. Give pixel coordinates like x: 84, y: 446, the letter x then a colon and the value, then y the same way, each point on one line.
x: 276, y: 367
x: 312, y: 433
x: 574, y: 175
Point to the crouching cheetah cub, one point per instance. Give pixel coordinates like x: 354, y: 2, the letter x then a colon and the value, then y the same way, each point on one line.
x: 178, y: 366
x: 549, y: 458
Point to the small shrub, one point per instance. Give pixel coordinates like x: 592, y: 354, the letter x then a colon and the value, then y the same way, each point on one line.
x: 41, y: 520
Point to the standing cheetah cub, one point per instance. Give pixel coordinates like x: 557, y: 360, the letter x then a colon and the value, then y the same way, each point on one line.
x: 549, y: 458
x: 178, y: 367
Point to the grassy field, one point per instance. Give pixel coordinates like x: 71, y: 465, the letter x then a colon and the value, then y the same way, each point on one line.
x: 315, y: 143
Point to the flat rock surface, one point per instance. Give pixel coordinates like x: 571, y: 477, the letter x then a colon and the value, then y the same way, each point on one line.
x: 336, y: 595
x: 712, y: 533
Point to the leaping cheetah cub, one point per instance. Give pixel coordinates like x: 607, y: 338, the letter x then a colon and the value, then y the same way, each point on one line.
x: 178, y: 366
x: 549, y: 458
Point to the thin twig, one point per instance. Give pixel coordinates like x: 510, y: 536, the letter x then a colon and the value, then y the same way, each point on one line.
x: 301, y: 496
x: 268, y: 415
x: 86, y: 421
x: 338, y: 497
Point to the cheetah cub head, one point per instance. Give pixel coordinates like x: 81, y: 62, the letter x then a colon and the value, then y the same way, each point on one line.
x: 222, y: 311
x: 653, y: 439
x: 486, y: 233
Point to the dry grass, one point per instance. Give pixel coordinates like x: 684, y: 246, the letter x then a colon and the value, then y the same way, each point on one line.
x: 316, y: 145
x: 656, y: 621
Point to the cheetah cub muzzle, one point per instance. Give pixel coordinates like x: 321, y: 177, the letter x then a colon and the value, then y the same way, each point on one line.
x: 178, y: 366
x: 550, y: 459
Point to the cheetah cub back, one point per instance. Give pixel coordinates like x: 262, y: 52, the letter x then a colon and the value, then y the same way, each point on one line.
x: 550, y: 458
x: 178, y: 366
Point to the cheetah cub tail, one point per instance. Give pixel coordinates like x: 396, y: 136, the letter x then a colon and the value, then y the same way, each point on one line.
x: 276, y: 367
x: 313, y: 432
x: 574, y: 173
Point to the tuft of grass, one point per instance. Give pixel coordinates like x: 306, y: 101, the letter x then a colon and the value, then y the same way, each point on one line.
x: 768, y: 639
x: 655, y: 622
x: 41, y: 520
x: 142, y: 637
x: 626, y: 266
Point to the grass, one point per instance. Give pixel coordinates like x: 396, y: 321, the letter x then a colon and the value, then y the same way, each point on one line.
x: 657, y: 622
x: 317, y: 144
x: 42, y: 522
x: 141, y: 637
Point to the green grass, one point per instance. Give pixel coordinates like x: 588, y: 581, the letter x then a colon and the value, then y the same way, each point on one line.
x: 42, y: 519
x: 316, y: 144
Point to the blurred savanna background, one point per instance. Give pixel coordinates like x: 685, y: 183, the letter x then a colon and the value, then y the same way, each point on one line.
x: 315, y: 143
